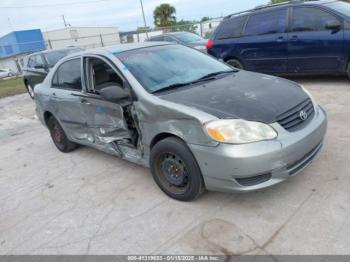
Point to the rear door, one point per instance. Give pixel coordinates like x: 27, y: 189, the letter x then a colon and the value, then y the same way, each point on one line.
x: 66, y: 101
x: 313, y: 48
x: 264, y: 41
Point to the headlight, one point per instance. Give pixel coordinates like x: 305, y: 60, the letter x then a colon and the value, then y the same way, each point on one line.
x: 238, y: 131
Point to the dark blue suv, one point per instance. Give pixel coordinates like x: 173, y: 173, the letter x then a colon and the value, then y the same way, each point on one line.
x: 298, y: 37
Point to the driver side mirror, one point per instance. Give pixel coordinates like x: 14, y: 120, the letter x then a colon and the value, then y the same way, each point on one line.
x: 333, y: 25
x: 114, y: 93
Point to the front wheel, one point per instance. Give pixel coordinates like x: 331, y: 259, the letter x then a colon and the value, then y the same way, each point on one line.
x: 235, y: 63
x: 175, y: 170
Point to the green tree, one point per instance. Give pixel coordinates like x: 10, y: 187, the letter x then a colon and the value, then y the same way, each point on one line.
x: 187, y: 26
x: 164, y: 15
x: 278, y: 1
x: 205, y: 18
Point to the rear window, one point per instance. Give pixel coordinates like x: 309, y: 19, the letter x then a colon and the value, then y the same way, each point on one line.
x: 231, y: 28
x: 53, y: 57
x: 271, y: 22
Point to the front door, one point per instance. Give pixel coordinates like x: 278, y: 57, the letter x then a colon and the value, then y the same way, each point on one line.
x: 105, y: 120
x: 312, y: 47
x: 265, y: 42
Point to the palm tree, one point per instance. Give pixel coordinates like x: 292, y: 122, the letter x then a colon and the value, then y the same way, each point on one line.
x: 164, y: 15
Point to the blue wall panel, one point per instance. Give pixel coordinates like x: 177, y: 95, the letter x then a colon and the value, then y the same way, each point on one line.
x: 21, y: 42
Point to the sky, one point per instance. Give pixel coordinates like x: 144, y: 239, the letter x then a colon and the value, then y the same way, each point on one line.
x: 124, y: 14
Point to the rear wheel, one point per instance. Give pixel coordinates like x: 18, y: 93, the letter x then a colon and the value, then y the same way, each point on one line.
x: 30, y: 90
x: 348, y: 69
x: 59, y: 137
x: 175, y: 170
x: 235, y: 63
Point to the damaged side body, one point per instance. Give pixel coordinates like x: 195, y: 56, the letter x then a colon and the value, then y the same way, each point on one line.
x: 131, y: 125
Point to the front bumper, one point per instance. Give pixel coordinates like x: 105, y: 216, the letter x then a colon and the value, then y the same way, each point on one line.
x: 254, y: 166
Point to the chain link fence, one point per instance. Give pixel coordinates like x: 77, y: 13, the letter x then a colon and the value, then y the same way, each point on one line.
x: 203, y: 29
x: 94, y: 37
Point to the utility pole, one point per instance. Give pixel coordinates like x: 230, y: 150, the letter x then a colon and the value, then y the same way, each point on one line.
x: 144, y: 18
x: 64, y: 21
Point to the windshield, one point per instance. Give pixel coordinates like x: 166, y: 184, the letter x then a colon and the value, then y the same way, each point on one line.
x: 341, y: 7
x: 188, y: 37
x: 161, y: 66
x: 53, y: 57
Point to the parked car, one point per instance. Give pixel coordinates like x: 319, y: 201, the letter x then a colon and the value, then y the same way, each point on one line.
x: 195, y: 121
x: 37, y: 65
x: 5, y: 72
x: 299, y: 37
x: 183, y: 38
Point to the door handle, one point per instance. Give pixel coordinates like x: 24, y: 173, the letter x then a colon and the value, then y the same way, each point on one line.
x: 54, y: 94
x: 294, y: 38
x: 85, y: 102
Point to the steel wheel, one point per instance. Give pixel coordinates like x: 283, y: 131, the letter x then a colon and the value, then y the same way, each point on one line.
x: 172, y: 173
x: 59, y: 137
x: 175, y: 170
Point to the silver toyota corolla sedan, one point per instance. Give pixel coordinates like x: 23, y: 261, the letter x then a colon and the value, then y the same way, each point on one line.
x: 196, y: 122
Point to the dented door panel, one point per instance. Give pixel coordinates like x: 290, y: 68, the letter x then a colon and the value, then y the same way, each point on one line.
x: 105, y: 120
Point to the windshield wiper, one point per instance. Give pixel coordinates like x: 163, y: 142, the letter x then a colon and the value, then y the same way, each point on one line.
x: 211, y: 75
x: 172, y: 86
x: 207, y: 77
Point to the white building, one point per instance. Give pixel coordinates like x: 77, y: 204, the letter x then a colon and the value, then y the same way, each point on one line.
x: 84, y: 37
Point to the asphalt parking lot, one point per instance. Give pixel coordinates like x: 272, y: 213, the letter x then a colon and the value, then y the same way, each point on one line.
x: 88, y: 202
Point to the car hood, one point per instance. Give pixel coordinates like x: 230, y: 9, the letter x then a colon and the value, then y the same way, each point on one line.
x: 243, y: 95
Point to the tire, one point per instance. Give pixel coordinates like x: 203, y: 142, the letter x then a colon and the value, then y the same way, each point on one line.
x: 175, y: 170
x: 59, y: 137
x: 235, y: 63
x: 348, y: 71
x: 30, y: 90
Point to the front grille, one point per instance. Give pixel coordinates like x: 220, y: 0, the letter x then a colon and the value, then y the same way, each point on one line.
x: 291, y: 119
x: 254, y: 180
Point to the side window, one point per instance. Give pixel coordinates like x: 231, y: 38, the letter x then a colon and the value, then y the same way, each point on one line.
x: 68, y: 75
x: 231, y: 28
x: 310, y: 19
x: 157, y: 38
x: 271, y: 22
x: 31, y: 62
x: 38, y: 60
x: 170, y: 39
x: 103, y: 75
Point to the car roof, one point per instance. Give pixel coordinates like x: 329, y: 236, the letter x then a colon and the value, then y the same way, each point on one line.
x: 53, y: 50
x: 115, y: 49
x: 125, y: 47
x: 284, y: 4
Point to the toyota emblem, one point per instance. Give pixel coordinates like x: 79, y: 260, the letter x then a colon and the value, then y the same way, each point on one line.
x: 303, y: 115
